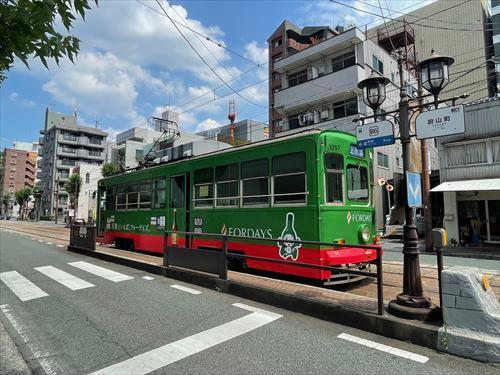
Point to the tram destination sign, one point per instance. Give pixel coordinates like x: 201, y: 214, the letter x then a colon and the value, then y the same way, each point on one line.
x: 440, y: 122
x: 375, y: 134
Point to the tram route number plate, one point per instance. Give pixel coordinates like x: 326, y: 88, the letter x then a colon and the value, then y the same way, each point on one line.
x: 375, y: 134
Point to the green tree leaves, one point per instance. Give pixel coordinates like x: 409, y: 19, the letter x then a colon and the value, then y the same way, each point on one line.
x: 27, y: 29
x: 110, y: 169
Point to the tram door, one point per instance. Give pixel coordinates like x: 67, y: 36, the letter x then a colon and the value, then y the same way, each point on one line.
x: 179, y: 203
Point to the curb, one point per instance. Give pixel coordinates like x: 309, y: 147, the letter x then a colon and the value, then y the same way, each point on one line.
x: 418, y: 333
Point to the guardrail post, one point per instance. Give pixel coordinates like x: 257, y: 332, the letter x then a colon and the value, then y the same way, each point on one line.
x: 439, y: 241
x: 223, y: 263
x: 165, y: 249
x: 380, y: 282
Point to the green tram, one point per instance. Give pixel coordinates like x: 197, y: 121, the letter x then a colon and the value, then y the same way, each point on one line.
x: 314, y: 186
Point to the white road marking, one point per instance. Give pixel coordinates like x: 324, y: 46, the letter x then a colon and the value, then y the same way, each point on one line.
x: 185, y: 289
x: 40, y: 241
x: 175, y: 351
x: 101, y: 271
x: 384, y: 348
x: 21, y: 286
x: 148, y: 278
x: 64, y: 278
x: 60, y: 246
x: 43, y: 358
x: 49, y: 243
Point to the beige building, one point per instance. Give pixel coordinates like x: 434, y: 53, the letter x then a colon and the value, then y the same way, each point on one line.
x: 453, y: 28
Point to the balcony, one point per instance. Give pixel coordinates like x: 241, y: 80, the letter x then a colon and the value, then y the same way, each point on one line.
x: 40, y: 140
x: 67, y: 139
x: 319, y: 50
x: 322, y: 89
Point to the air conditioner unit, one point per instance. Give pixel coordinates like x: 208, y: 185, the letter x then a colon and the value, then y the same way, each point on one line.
x: 306, y: 118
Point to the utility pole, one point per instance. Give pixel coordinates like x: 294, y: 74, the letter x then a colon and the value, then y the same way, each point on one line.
x: 411, y: 302
x: 426, y: 182
x: 56, y: 198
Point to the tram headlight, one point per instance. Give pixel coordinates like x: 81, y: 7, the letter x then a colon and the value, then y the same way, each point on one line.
x: 365, y: 233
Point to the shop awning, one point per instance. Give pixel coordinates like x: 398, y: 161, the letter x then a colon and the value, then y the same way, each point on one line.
x: 489, y: 184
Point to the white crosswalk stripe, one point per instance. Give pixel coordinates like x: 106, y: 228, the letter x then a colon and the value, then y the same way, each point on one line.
x: 21, y: 286
x: 64, y: 278
x: 100, y: 271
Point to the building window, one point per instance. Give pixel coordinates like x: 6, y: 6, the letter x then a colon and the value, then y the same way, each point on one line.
x: 495, y: 150
x: 472, y: 153
x: 69, y: 137
x: 398, y: 161
x: 382, y: 160
x: 69, y: 150
x: 255, y: 182
x: 87, y: 178
x: 204, y: 187
x: 95, y: 152
x: 277, y: 43
x: 377, y: 64
x: 343, y: 61
x: 289, y: 178
x: 95, y: 140
x: 334, y: 174
x: 345, y: 108
x: 357, y: 182
x: 297, y: 78
x: 226, y: 178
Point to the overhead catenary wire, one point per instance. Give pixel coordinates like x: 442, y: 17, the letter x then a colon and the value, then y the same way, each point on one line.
x: 202, y: 58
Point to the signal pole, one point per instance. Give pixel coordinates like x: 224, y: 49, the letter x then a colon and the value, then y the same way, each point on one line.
x: 56, y: 198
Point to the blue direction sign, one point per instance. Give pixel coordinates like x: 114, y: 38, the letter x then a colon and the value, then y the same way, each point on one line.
x: 375, y: 134
x: 413, y: 189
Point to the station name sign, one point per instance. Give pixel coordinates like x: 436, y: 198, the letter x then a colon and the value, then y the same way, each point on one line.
x: 440, y: 122
x: 375, y: 134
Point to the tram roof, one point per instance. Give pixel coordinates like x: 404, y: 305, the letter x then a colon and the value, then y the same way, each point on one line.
x: 301, y: 134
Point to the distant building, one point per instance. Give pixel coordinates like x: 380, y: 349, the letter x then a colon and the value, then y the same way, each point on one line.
x: 26, y: 146
x: 245, y: 131
x: 65, y: 144
x: 495, y: 23
x: 470, y: 175
x: 468, y: 39
x: 87, y: 198
x: 128, y: 149
x: 19, y: 172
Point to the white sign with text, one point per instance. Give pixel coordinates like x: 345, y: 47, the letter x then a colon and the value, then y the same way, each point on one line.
x: 440, y: 122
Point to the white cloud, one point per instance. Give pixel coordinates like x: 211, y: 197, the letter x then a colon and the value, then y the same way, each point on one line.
x: 101, y: 85
x: 207, y: 124
x: 14, y: 97
x: 256, y: 53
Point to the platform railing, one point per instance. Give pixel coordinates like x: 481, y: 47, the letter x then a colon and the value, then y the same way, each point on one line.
x: 215, y: 261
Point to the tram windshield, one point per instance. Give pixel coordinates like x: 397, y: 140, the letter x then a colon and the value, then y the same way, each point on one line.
x: 357, y: 183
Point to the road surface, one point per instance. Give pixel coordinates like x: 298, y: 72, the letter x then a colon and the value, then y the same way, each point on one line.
x: 70, y: 314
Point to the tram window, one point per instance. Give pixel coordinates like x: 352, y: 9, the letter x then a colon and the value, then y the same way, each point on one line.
x: 132, y: 197
x: 334, y: 171
x: 159, y: 193
x: 255, y: 186
x: 289, y: 178
x: 110, y: 199
x: 177, y: 191
x: 121, y: 198
x: 145, y: 194
x: 204, y: 187
x: 226, y: 178
x: 357, y: 182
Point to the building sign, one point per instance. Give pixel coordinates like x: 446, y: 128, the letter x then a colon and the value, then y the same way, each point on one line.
x: 375, y: 134
x: 440, y: 122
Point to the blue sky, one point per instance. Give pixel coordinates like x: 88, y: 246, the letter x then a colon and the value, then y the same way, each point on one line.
x: 133, y: 63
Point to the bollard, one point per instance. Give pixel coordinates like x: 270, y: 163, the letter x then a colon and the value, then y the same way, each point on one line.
x: 438, y: 242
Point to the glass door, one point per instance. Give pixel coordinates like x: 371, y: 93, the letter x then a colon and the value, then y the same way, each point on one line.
x: 494, y: 220
x: 472, y: 222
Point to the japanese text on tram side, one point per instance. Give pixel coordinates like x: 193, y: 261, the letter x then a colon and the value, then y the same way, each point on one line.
x: 130, y: 227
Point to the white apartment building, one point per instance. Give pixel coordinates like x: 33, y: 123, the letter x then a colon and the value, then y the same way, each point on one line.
x: 87, y: 198
x: 314, y: 73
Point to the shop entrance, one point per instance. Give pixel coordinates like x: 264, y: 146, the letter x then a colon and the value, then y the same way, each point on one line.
x: 479, y: 221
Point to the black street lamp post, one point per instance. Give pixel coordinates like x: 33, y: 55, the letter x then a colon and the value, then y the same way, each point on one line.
x: 411, y: 303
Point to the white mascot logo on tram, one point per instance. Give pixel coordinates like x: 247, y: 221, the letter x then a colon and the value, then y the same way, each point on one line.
x: 289, y: 249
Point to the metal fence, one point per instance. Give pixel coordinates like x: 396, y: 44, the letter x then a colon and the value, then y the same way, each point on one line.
x: 215, y: 261
x: 82, y: 236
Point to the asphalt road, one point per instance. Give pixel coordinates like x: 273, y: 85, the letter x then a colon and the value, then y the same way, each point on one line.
x: 112, y: 320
